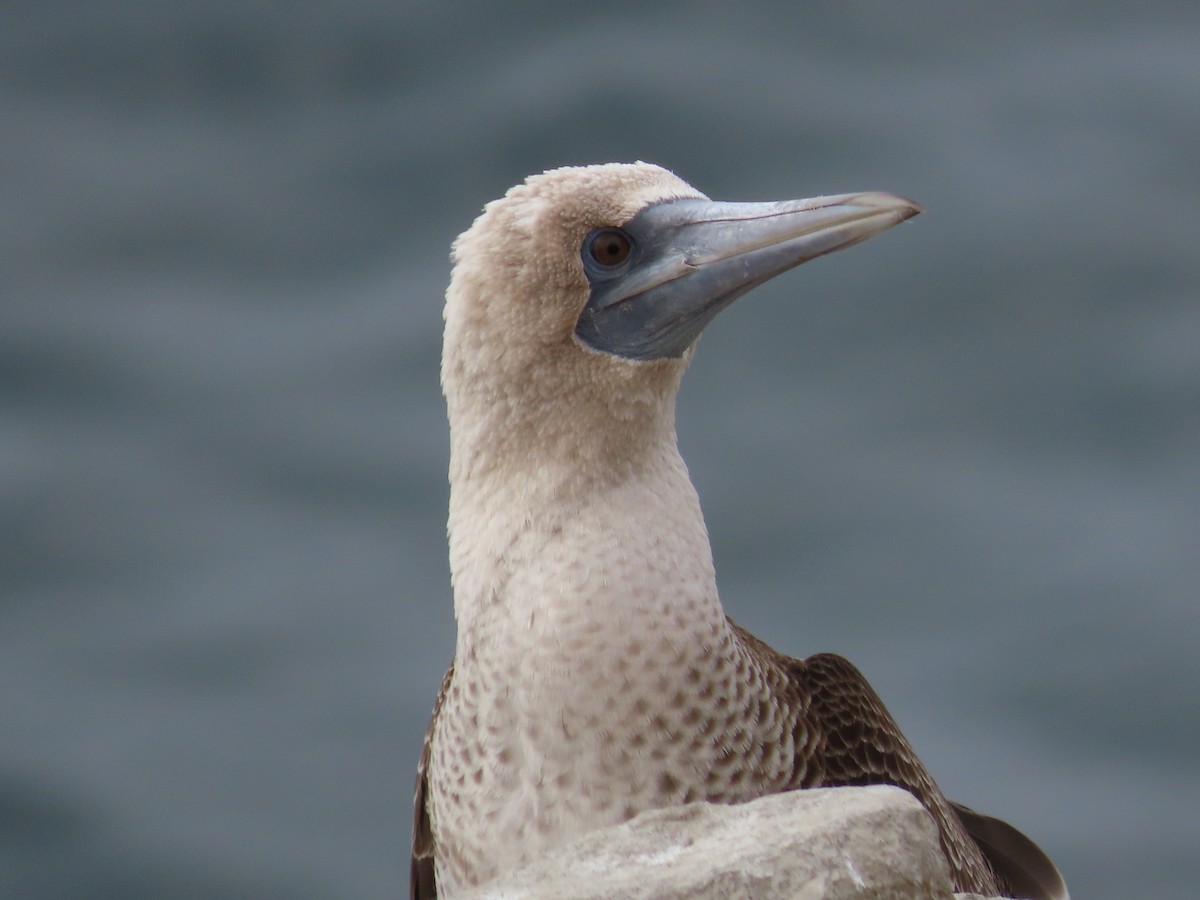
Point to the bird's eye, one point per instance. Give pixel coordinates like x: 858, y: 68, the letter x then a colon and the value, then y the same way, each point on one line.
x: 610, y: 247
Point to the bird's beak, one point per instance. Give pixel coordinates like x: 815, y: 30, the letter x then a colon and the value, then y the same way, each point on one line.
x: 692, y: 258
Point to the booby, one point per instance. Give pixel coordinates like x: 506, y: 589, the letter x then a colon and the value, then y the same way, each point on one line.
x: 595, y: 673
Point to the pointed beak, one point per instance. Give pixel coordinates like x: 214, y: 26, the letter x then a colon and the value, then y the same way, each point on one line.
x: 689, y: 259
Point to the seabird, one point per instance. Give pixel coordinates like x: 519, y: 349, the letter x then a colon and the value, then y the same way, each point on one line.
x: 595, y: 673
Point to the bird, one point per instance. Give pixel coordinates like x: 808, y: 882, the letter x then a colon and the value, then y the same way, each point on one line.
x: 596, y: 674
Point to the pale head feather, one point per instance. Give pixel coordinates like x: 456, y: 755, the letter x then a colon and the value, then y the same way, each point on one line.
x: 519, y: 385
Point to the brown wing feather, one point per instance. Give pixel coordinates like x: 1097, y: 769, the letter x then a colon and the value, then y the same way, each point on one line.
x: 1018, y: 860
x: 423, y: 880
x: 862, y: 744
x: 853, y: 740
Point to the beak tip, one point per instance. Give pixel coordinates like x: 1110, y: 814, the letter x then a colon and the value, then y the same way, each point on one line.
x: 910, y: 208
x: 902, y: 207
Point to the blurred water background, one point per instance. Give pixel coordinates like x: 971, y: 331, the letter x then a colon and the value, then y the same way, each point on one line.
x: 965, y: 455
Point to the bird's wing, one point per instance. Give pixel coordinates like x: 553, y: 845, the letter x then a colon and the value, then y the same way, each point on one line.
x: 850, y: 738
x: 1018, y: 860
x: 423, y: 881
x: 863, y: 745
x: 860, y: 743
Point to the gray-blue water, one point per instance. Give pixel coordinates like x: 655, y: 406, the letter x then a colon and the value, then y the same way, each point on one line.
x: 966, y: 454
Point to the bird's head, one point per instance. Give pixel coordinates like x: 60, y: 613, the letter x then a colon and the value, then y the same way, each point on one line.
x: 582, y: 291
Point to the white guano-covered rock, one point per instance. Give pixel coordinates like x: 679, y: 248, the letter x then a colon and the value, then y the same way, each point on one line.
x: 870, y: 842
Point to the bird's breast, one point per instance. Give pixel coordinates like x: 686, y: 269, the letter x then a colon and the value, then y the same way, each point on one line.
x: 595, y: 676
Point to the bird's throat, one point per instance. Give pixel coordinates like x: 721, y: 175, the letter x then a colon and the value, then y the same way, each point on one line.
x: 575, y: 561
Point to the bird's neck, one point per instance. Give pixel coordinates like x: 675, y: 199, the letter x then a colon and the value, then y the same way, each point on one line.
x: 588, y: 618
x: 567, y: 552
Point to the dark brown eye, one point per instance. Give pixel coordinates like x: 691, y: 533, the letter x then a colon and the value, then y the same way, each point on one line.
x: 610, y: 247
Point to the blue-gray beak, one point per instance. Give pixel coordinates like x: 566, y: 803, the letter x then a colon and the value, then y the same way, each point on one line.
x: 659, y: 279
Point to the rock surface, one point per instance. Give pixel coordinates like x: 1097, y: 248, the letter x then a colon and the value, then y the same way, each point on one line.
x: 870, y: 842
